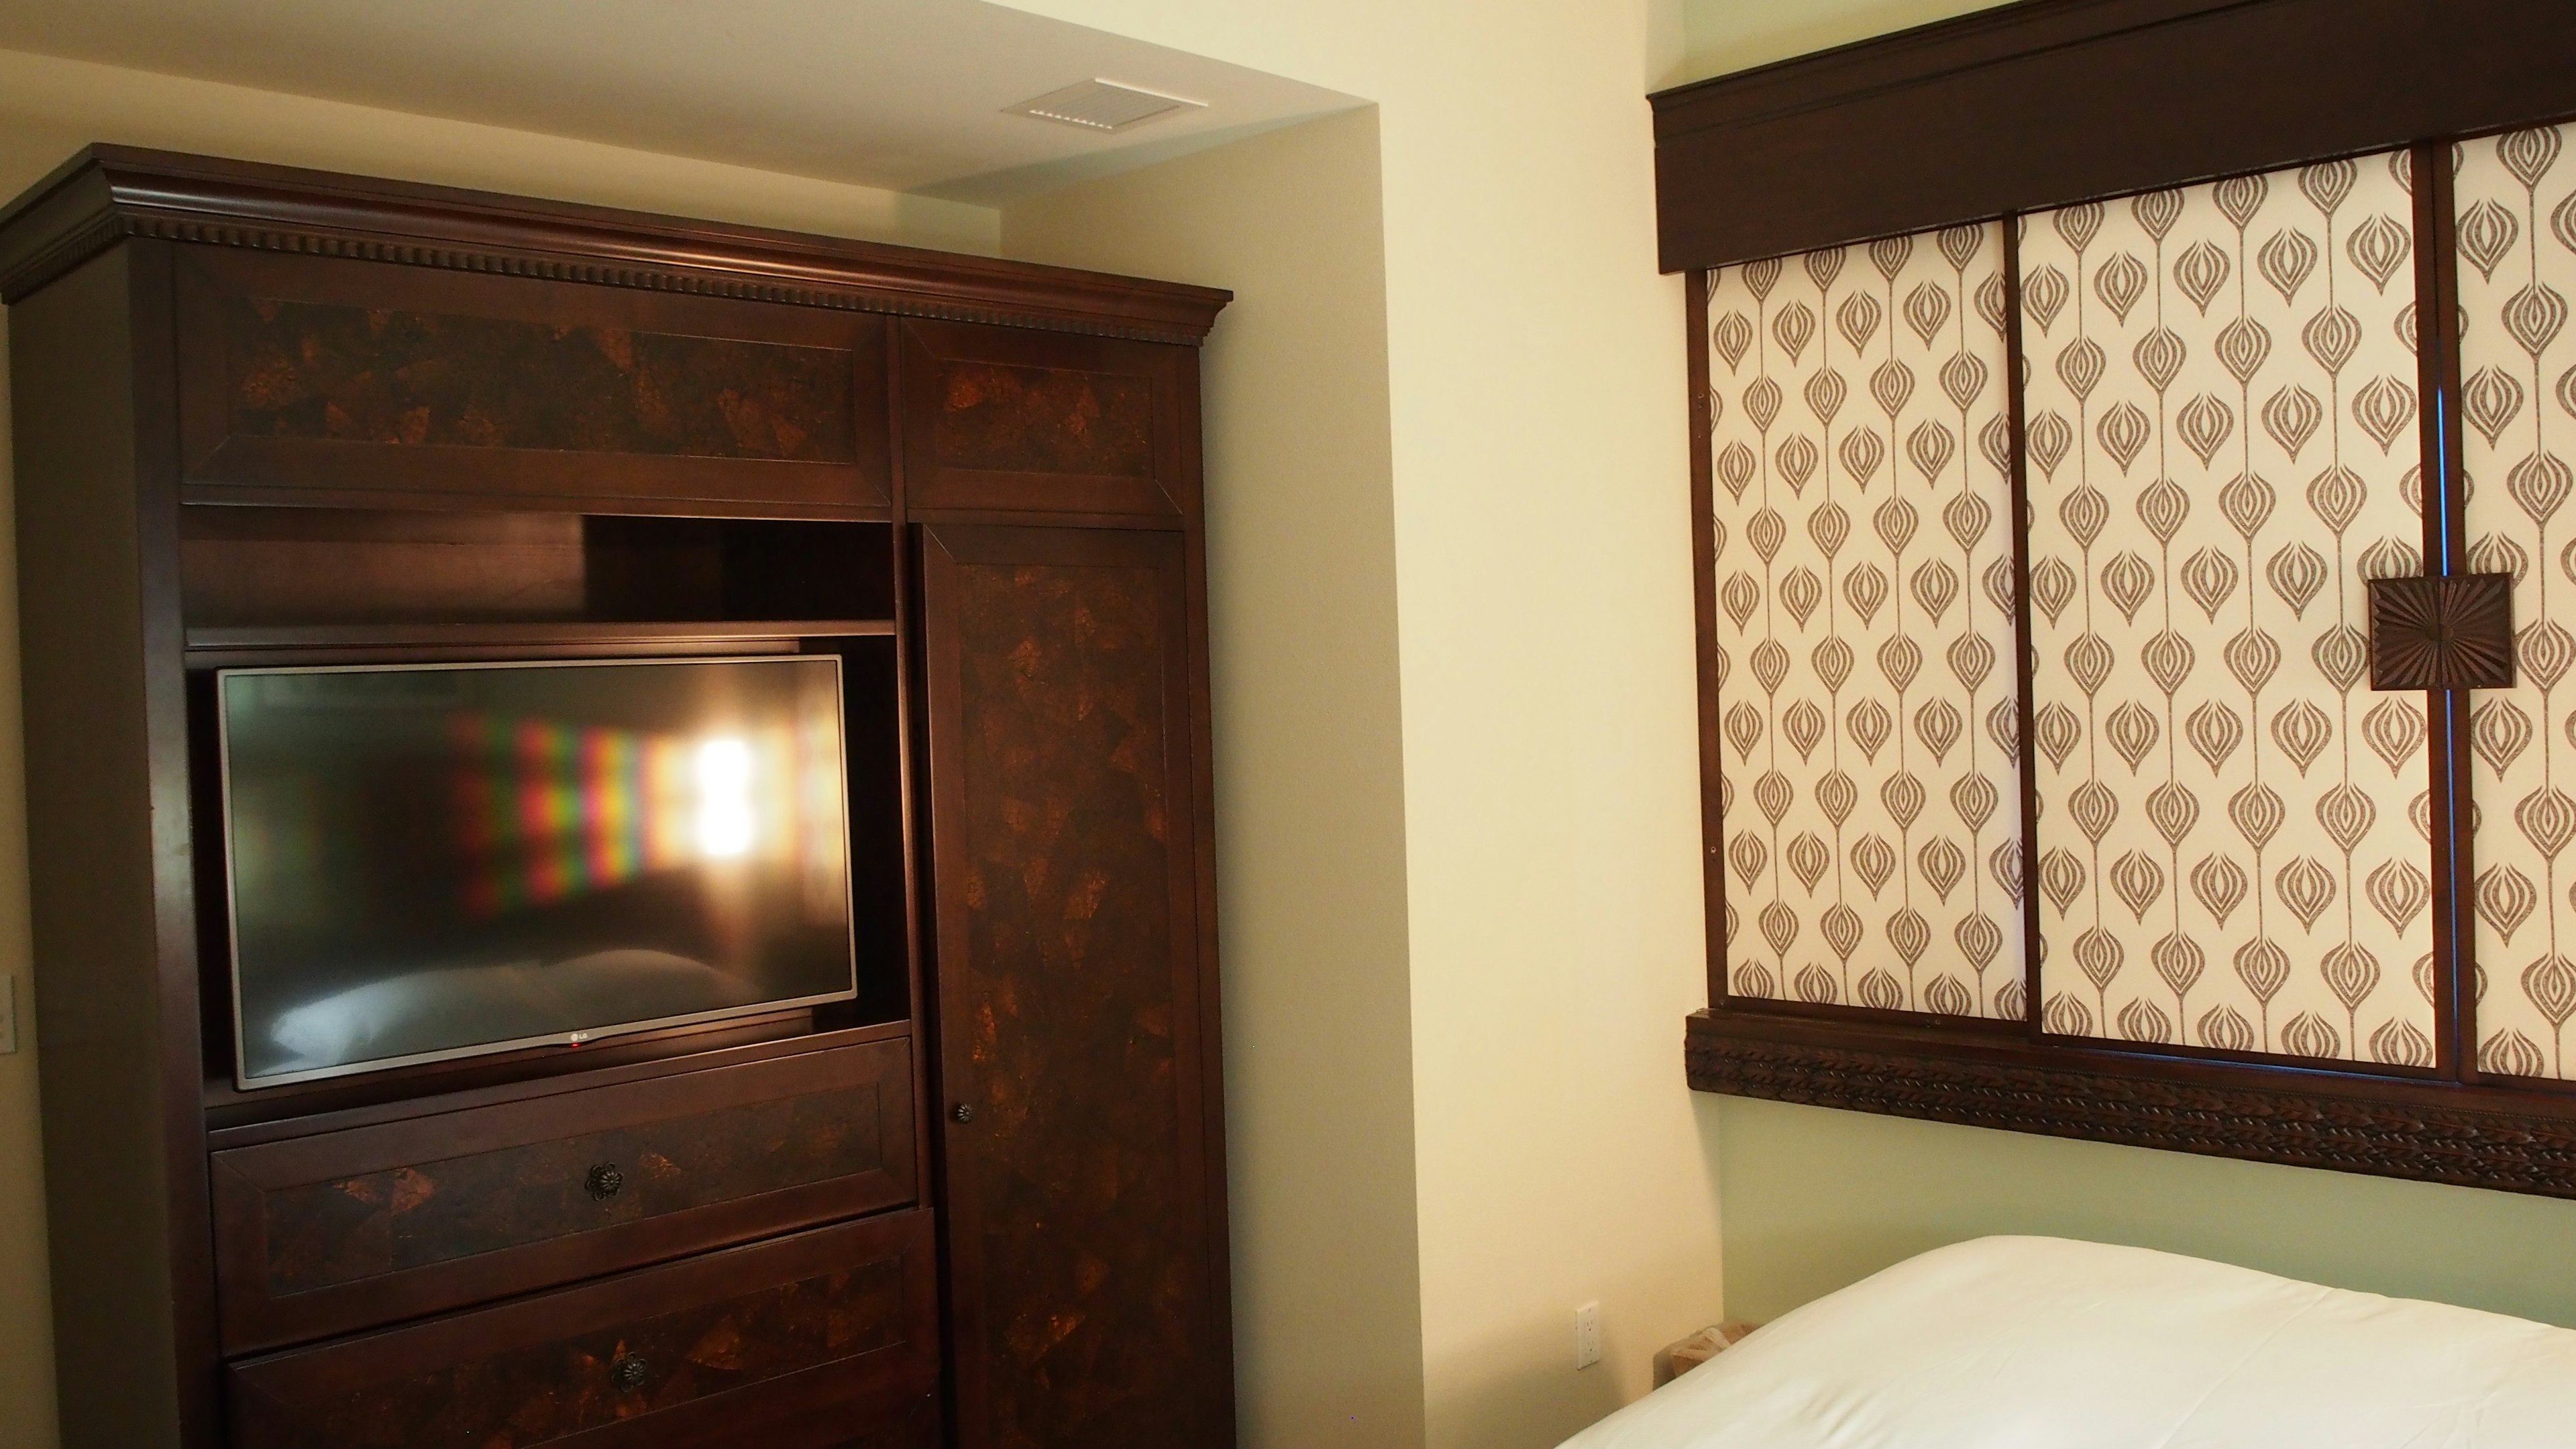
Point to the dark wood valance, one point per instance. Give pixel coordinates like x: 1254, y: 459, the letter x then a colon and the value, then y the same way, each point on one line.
x: 2054, y: 101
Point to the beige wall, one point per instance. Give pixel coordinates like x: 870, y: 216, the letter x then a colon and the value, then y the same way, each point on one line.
x: 1728, y: 35
x: 1816, y: 1199
x: 1542, y: 591
x: 1309, y: 754
x: 50, y: 108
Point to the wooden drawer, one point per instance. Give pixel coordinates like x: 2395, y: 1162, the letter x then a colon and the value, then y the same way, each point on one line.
x: 1012, y: 419
x: 314, y: 379
x: 793, y: 1343
x: 345, y: 1230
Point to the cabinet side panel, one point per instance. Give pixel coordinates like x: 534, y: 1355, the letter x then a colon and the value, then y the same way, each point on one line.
x: 108, y: 1188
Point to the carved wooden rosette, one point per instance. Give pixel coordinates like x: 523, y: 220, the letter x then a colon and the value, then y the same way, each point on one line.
x: 2452, y: 632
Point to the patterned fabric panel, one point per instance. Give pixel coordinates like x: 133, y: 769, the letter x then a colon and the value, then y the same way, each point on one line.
x: 2223, y: 447
x: 2517, y: 267
x: 1864, y: 626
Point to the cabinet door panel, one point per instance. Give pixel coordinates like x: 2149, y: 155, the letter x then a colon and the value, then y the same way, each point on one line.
x: 1073, y: 1003
x: 2516, y: 200
x: 2224, y: 449
x: 1051, y: 422
x: 1864, y: 629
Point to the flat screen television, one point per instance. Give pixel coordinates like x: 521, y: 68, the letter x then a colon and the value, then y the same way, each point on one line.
x: 434, y: 861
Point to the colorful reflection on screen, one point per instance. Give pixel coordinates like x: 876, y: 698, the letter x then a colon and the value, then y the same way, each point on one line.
x: 547, y: 809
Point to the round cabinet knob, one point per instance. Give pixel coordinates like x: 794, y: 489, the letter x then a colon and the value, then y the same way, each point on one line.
x: 963, y: 1111
x: 629, y: 1373
x: 604, y: 1182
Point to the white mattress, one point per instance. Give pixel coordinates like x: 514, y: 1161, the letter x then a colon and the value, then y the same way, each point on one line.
x: 2002, y: 1343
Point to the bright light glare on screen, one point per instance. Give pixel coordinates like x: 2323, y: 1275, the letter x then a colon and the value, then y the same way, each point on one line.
x: 725, y: 825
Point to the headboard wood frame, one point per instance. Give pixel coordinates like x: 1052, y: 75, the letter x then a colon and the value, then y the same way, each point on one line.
x: 2038, y: 105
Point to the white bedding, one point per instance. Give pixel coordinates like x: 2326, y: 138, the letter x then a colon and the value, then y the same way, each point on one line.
x: 2003, y: 1343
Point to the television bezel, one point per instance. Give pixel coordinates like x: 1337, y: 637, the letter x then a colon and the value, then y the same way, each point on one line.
x: 243, y: 1081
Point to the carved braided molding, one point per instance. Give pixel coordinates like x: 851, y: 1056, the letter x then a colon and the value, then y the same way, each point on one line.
x: 2260, y: 1114
x: 111, y: 194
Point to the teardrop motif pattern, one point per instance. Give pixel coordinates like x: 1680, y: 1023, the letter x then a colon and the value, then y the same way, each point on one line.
x: 2223, y: 421
x: 1864, y: 626
x: 2516, y: 222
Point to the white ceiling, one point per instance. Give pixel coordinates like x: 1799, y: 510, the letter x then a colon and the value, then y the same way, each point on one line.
x: 901, y: 94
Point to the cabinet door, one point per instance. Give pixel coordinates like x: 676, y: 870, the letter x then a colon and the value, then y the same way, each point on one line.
x: 1076, y: 1004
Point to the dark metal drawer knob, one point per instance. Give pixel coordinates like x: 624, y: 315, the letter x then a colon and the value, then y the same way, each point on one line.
x: 629, y: 1373
x: 963, y: 1111
x: 604, y: 1182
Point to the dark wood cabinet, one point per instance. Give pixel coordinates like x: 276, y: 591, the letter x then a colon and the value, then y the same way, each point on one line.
x: 267, y: 416
x: 1078, y: 1042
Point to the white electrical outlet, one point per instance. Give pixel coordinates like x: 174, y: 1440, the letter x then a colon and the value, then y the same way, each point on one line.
x: 8, y: 1015
x: 1587, y: 1335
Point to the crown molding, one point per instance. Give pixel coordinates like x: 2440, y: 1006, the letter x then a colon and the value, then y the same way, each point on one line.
x: 109, y: 194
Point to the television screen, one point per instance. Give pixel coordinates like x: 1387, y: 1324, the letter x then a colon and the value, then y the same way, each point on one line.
x: 435, y: 860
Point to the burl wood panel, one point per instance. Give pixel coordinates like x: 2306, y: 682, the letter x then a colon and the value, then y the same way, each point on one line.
x: 340, y: 1230
x: 411, y: 1217
x: 1078, y: 1216
x: 1044, y: 420
x: 625, y: 1352
x: 355, y: 374
x: 1009, y: 419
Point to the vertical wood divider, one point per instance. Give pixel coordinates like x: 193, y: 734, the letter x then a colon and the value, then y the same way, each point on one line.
x: 2025, y: 650
x: 2446, y: 551
x: 1712, y: 762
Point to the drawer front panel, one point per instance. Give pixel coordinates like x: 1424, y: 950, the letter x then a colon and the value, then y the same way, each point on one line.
x: 788, y: 1333
x: 317, y: 371
x: 1011, y: 419
x: 327, y: 1233
x: 317, y: 375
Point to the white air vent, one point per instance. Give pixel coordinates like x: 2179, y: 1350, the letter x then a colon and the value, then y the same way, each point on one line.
x: 1099, y: 105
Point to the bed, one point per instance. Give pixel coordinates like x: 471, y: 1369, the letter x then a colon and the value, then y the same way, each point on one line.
x: 2008, y: 1342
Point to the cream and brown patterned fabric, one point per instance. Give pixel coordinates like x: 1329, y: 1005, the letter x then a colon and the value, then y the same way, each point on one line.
x: 2223, y: 439
x: 2223, y: 447
x: 2516, y: 228
x: 1864, y: 582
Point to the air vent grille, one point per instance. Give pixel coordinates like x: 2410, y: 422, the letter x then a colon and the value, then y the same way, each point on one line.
x: 1099, y: 105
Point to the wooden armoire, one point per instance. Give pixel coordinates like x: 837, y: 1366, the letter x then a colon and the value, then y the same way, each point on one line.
x: 267, y: 416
